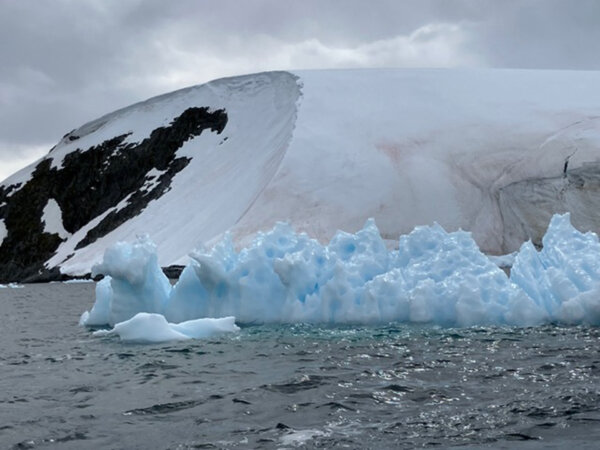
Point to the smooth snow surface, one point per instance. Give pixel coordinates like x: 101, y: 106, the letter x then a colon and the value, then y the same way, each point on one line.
x: 433, y: 277
x: 52, y: 219
x: 3, y: 231
x: 152, y: 328
x: 495, y: 152
x: 463, y: 148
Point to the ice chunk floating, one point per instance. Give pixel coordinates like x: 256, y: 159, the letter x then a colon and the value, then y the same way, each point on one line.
x: 151, y: 328
x: 432, y: 277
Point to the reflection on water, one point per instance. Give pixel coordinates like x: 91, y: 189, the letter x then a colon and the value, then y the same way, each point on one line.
x: 291, y: 386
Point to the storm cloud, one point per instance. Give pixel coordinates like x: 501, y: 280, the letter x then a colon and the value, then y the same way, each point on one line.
x: 66, y: 62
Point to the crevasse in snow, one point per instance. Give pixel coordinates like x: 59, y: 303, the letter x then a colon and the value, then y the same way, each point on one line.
x: 432, y: 277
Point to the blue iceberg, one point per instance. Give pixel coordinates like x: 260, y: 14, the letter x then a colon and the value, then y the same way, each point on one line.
x: 433, y: 276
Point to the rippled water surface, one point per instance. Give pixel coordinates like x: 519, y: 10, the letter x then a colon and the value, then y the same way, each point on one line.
x: 291, y: 386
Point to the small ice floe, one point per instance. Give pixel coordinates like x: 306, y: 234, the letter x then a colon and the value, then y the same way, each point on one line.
x: 11, y: 286
x: 154, y: 328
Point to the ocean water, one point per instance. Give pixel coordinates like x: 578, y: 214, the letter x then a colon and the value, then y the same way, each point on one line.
x: 300, y: 386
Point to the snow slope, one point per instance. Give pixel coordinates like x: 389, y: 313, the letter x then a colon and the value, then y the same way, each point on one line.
x: 52, y: 219
x: 411, y: 147
x: 226, y: 174
x: 495, y: 152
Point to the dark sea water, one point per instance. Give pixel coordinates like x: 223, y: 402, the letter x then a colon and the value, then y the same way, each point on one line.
x: 297, y: 386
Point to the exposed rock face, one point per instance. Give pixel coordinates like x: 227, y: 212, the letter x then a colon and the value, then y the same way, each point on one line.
x: 527, y: 206
x: 89, y: 183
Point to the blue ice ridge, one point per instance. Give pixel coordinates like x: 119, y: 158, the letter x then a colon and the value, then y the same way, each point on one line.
x: 432, y: 277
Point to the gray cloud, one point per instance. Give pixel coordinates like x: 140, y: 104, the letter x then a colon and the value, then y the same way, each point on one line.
x: 69, y: 61
x: 541, y: 34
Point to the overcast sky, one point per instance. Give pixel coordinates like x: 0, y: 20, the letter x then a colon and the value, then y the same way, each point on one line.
x: 65, y: 62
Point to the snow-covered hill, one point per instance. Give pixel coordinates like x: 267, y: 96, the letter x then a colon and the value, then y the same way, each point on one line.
x: 496, y: 152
